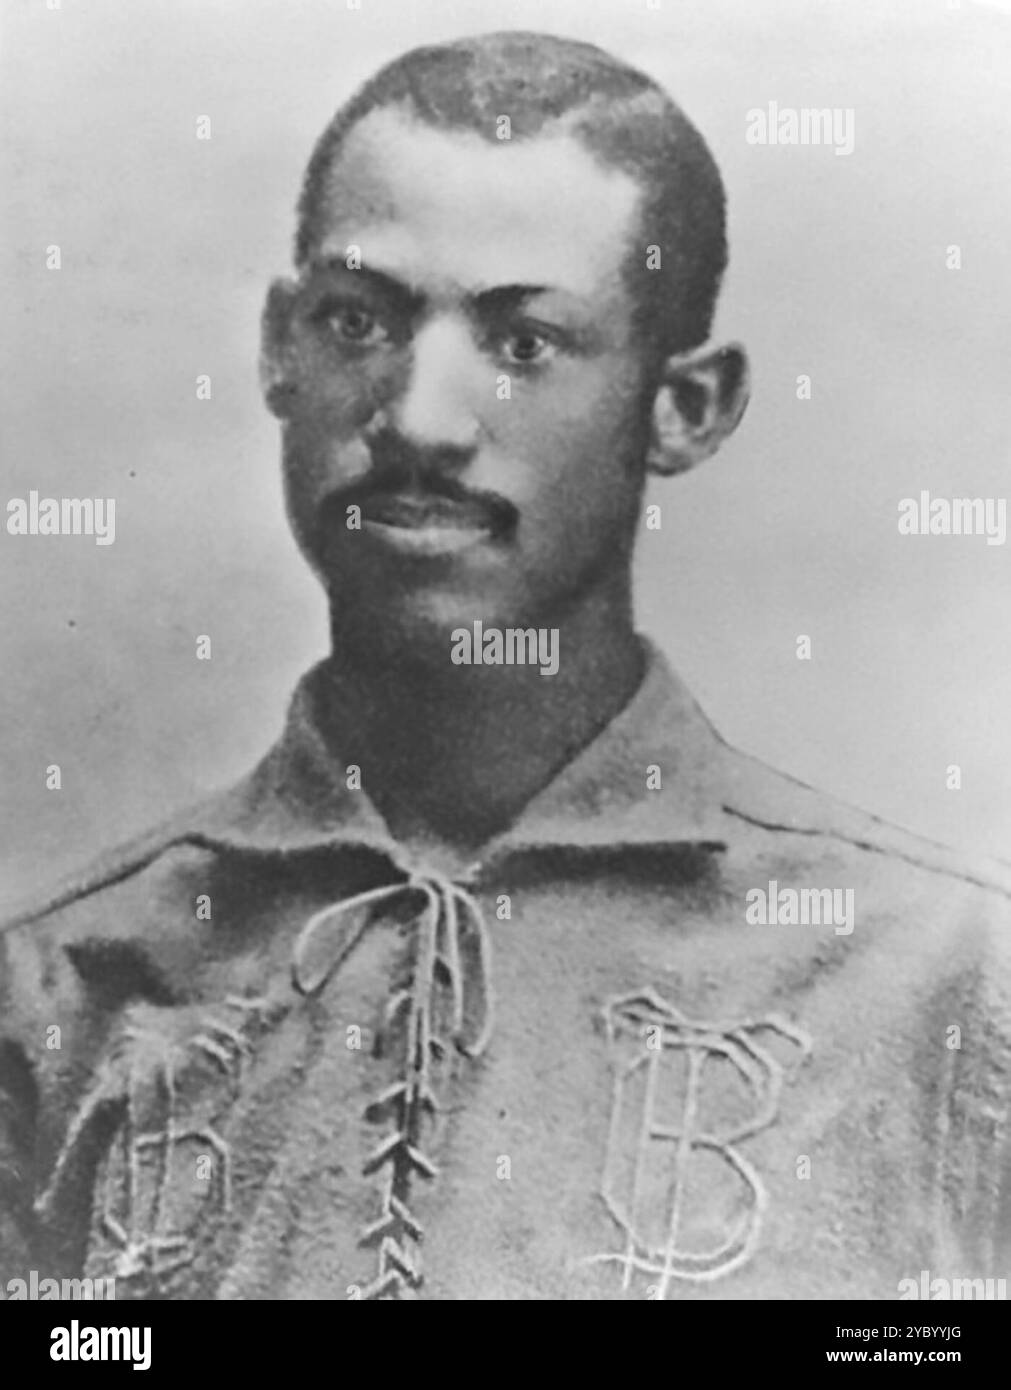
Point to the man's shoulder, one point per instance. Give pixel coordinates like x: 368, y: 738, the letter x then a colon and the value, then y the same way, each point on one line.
x: 130, y: 869
x: 814, y: 827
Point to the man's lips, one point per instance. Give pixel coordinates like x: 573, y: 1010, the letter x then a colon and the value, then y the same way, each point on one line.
x: 426, y: 513
x: 431, y: 525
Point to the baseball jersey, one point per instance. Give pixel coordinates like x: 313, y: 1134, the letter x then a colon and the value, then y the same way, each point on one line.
x: 685, y: 1029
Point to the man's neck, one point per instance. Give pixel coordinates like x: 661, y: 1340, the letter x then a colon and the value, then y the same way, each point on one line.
x: 454, y: 753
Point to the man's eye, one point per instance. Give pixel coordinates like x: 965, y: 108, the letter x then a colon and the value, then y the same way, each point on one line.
x: 354, y: 324
x: 527, y: 345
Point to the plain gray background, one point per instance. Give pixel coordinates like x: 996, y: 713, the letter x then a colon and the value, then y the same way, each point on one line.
x: 837, y: 271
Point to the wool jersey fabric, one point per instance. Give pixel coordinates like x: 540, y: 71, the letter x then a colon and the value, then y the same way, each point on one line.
x: 269, y: 1052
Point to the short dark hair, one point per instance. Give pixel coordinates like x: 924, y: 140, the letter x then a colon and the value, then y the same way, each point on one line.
x: 618, y: 113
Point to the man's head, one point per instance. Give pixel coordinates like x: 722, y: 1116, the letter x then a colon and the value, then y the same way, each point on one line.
x: 509, y: 250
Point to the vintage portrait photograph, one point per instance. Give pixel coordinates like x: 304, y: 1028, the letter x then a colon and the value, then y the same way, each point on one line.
x: 506, y: 661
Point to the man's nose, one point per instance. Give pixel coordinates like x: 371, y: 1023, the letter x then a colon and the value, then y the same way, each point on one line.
x: 435, y: 406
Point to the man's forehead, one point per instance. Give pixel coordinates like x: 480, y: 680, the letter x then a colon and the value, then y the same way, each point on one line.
x: 432, y: 205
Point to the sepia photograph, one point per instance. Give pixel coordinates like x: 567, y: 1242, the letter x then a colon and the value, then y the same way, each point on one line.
x: 505, y: 660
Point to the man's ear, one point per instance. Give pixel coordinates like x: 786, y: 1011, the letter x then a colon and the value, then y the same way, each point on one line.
x: 277, y: 365
x: 700, y: 401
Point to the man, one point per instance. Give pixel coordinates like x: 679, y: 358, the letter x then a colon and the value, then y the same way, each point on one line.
x: 502, y: 976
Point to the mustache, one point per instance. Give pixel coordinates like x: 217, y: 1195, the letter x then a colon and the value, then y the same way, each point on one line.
x: 386, y: 481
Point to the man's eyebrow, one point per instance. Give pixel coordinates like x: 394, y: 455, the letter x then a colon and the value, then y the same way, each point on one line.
x: 502, y: 298
x: 496, y: 299
x: 336, y: 265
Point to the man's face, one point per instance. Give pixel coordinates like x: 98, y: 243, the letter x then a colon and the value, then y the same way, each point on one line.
x: 476, y: 387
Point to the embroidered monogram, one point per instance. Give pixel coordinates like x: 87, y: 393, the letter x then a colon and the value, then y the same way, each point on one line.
x: 686, y: 1095
x: 445, y: 998
x: 171, y: 1074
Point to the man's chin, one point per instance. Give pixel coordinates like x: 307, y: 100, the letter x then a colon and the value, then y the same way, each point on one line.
x: 413, y: 626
